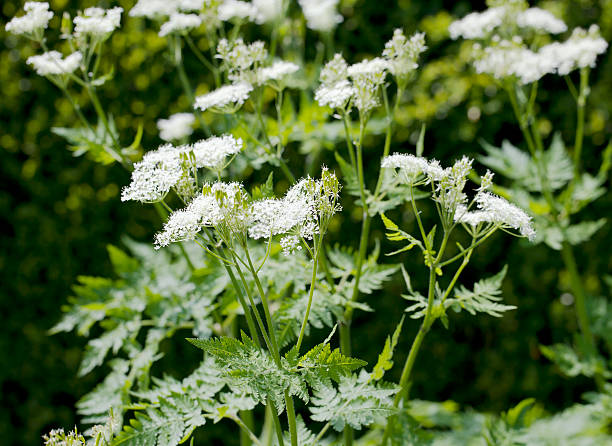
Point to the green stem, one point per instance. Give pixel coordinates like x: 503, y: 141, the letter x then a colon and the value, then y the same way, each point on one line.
x: 247, y: 437
x: 310, y: 295
x: 213, y: 69
x: 581, y: 306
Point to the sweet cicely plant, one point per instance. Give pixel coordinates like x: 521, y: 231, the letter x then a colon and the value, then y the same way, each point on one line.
x: 249, y: 272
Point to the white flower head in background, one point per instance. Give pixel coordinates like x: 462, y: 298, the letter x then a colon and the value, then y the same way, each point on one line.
x: 97, y: 22
x: 52, y: 63
x: 279, y: 71
x: 180, y: 23
x: 335, y: 95
x: 267, y: 11
x: 579, y: 51
x: 477, y: 25
x: 540, y: 20
x: 402, y: 54
x: 227, y: 99
x: 213, y: 152
x: 155, y: 9
x: 236, y: 10
x: 33, y: 23
x: 321, y: 15
x: 241, y: 60
x: 177, y: 126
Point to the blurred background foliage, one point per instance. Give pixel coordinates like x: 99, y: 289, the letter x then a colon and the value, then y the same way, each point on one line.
x: 59, y: 212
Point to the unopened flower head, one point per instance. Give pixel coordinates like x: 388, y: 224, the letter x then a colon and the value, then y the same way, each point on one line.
x: 177, y: 126
x: 57, y: 437
x: 540, y: 20
x: 506, y: 214
x: 180, y: 23
x: 154, y: 176
x: 33, y: 22
x: 278, y: 71
x: 52, y: 63
x: 213, y: 152
x: 402, y: 54
x: 216, y: 205
x: 97, y: 22
x: 226, y: 99
x: 321, y: 15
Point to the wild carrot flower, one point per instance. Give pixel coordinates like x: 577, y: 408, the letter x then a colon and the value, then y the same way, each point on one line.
x: 97, y: 22
x: 52, y: 63
x: 226, y: 99
x: 33, y: 22
x: 179, y: 22
x: 177, y: 126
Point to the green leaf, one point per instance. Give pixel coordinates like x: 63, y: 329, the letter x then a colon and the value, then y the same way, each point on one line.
x: 351, y: 184
x: 571, y: 363
x: 356, y: 402
x: 96, y: 349
x: 123, y: 264
x: 169, y: 424
x: 483, y: 299
x: 252, y: 370
x: 385, y: 362
x: 322, y: 363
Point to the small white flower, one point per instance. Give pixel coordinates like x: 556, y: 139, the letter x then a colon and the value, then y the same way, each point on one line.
x: 180, y: 22
x: 472, y: 218
x: 52, y: 63
x: 321, y: 15
x: 177, y: 126
x: 290, y: 244
x: 33, y: 22
x: 540, y: 20
x: 579, y: 51
x: 334, y: 71
x: 226, y: 99
x: 278, y: 71
x: 212, y: 153
x: 97, y: 22
x: 409, y: 165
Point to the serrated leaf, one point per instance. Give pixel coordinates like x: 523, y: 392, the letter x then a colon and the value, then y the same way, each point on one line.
x: 322, y: 364
x: 483, y: 299
x: 385, y: 361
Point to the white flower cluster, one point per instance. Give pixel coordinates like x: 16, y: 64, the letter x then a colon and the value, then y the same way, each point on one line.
x: 177, y: 126
x: 169, y: 167
x: 153, y: 9
x: 226, y: 99
x: 335, y: 90
x: 241, y: 60
x: 479, y: 25
x: 278, y: 71
x: 402, y: 53
x: 303, y: 212
x: 496, y: 210
x: 97, y: 22
x: 214, y: 206
x: 321, y: 15
x: 540, y: 20
x: 57, y: 437
x: 258, y: 11
x: 213, y: 152
x: 179, y: 22
x: 267, y: 11
x: 449, y: 185
x: 359, y: 84
x: 512, y: 58
x: 52, y: 63
x: 33, y: 22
